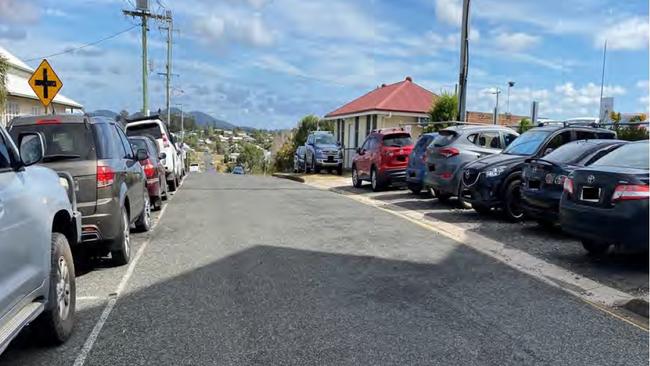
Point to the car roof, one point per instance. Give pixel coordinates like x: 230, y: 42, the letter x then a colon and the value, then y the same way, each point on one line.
x: 58, y: 118
x: 463, y: 128
x: 569, y: 127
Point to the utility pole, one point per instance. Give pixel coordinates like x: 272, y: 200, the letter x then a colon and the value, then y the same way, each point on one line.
x: 168, y: 72
x: 496, y: 107
x: 464, y: 57
x: 602, y: 85
x: 142, y: 12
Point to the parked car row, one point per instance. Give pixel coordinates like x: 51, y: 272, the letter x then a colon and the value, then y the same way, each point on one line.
x: 580, y: 177
x: 72, y: 186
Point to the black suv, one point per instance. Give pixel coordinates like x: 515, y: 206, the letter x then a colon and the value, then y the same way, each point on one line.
x: 109, y: 180
x: 495, y: 181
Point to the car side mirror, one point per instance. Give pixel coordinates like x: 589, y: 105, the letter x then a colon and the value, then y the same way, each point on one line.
x: 360, y: 151
x: 141, y: 155
x: 162, y: 156
x: 32, y: 148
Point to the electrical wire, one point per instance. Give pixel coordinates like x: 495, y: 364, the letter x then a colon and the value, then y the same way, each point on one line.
x: 69, y: 50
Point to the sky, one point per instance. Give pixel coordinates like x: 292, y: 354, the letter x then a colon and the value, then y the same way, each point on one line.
x: 267, y: 63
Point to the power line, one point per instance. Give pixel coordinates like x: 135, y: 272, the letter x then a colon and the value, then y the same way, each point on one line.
x: 69, y: 50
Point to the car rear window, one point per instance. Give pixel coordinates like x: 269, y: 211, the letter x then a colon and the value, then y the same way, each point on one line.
x: 445, y: 137
x: 147, y: 129
x: 68, y: 140
x: 138, y: 144
x: 398, y: 140
x: 630, y: 155
x: 570, y: 153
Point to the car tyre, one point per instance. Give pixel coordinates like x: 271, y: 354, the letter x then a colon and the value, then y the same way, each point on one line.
x: 339, y: 170
x: 143, y: 224
x: 442, y: 197
x: 314, y: 167
x: 122, y: 255
x: 56, y: 322
x: 307, y: 170
x: 356, y: 180
x: 414, y: 188
x: 375, y: 182
x: 172, y: 184
x: 512, y: 207
x: 596, y: 249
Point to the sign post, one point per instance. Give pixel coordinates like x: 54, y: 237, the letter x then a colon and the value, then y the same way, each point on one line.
x: 45, y: 83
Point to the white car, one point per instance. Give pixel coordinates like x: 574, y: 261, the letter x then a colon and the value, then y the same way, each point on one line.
x: 194, y: 168
x: 156, y: 128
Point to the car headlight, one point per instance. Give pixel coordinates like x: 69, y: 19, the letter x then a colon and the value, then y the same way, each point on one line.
x: 496, y: 171
x: 64, y: 183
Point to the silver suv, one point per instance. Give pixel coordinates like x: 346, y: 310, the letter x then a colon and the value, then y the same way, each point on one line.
x: 38, y: 224
x: 457, y: 146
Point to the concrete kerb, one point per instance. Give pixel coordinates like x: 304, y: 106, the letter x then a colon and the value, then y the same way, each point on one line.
x: 289, y: 176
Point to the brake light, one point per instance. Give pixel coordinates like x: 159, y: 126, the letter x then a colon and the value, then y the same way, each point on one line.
x: 105, y: 176
x: 629, y: 192
x: 48, y: 121
x: 448, y: 152
x: 568, y: 185
x: 149, y: 169
x: 446, y: 175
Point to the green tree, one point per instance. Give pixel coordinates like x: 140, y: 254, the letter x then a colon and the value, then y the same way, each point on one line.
x: 283, y: 161
x: 524, y: 125
x: 251, y: 157
x: 639, y: 118
x: 4, y: 69
x: 306, y: 125
x: 218, y: 146
x: 443, y: 109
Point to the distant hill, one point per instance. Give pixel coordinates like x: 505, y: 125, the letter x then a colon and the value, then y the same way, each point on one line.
x: 204, y: 119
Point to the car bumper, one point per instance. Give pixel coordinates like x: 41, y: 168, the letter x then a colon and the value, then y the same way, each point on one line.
x: 393, y: 175
x: 415, y: 175
x: 625, y: 225
x: 104, y: 224
x: 540, y: 204
x: 153, y: 187
x: 484, y: 192
x: 329, y: 163
x: 437, y: 182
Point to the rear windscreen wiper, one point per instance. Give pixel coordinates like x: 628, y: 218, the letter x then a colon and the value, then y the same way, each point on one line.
x: 54, y: 157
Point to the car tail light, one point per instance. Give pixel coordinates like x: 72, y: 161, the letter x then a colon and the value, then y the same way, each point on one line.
x: 559, y: 179
x: 48, y: 121
x: 149, y: 169
x: 568, y: 185
x: 165, y: 141
x: 105, y: 176
x: 628, y: 192
x: 448, y: 152
x: 446, y: 175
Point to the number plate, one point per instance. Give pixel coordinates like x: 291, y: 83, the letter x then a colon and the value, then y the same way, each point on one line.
x: 590, y: 194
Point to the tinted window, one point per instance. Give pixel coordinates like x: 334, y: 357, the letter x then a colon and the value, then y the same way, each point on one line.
x: 125, y: 142
x: 109, y: 144
x: 527, y: 143
x: 472, y: 138
x: 5, y: 159
x: 445, y: 137
x: 630, y: 155
x: 74, y: 140
x: 585, y: 135
x: 137, y: 144
x: 571, y: 153
x: 490, y: 140
x: 325, y: 139
x: 149, y: 129
x: 398, y: 140
x: 509, y: 138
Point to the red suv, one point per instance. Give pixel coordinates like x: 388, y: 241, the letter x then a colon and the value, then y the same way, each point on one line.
x: 382, y: 158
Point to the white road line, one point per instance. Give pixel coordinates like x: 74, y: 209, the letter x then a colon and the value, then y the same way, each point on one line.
x: 90, y: 341
x: 556, y: 276
x: 89, y: 298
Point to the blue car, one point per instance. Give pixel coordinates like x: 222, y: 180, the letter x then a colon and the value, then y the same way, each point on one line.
x: 416, y: 168
x: 238, y: 170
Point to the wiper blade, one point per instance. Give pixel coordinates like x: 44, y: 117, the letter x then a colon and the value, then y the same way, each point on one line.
x: 54, y: 157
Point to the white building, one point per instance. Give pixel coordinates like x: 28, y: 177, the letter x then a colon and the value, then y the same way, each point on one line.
x: 21, y: 99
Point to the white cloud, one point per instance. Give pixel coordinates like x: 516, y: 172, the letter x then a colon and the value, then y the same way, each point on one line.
x: 630, y: 34
x: 237, y: 26
x: 515, y: 42
x: 274, y: 63
x: 449, y: 11
x: 18, y: 11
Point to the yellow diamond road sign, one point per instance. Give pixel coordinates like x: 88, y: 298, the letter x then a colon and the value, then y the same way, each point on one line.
x: 45, y: 83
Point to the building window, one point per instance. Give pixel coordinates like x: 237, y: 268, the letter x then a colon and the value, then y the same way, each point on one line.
x: 36, y: 110
x: 13, y: 110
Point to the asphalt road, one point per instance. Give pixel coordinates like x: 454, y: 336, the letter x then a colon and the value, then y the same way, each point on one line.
x: 253, y: 270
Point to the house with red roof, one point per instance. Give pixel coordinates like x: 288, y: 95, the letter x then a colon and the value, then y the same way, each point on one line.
x: 403, y: 104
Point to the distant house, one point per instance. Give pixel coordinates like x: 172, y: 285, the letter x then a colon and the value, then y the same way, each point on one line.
x: 505, y: 119
x: 21, y: 99
x: 403, y: 104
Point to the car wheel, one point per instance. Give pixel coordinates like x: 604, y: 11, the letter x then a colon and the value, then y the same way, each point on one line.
x: 57, y: 320
x: 143, y: 224
x: 513, y: 209
x: 414, y: 188
x: 374, y: 180
x: 461, y: 202
x: 306, y: 166
x: 339, y: 170
x: 482, y: 210
x: 356, y: 181
x: 443, y: 197
x: 315, y: 168
x: 122, y: 255
x: 172, y: 184
x: 432, y: 192
x: 596, y: 249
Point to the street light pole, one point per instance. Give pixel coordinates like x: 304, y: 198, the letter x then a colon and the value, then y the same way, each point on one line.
x: 510, y: 85
x: 496, y: 107
x: 462, y: 75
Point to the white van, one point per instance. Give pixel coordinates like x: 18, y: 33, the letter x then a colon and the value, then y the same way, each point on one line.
x: 156, y: 128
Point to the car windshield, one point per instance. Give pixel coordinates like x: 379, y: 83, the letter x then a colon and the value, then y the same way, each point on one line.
x: 66, y: 141
x: 398, y: 140
x: 527, y: 143
x: 631, y: 155
x: 147, y: 129
x: 238, y: 169
x: 325, y: 139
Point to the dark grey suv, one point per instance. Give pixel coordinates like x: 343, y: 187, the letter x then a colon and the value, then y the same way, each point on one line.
x: 109, y: 180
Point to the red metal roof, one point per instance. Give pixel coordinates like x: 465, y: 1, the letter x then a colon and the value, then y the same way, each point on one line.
x: 405, y: 96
